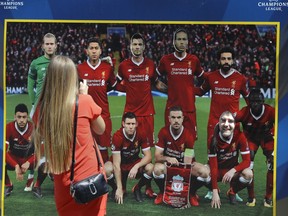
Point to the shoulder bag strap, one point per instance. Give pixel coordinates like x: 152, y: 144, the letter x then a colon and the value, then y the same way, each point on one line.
x: 74, y: 139
x: 99, y: 159
x: 98, y: 154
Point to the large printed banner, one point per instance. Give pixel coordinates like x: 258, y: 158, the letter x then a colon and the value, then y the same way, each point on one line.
x: 269, y: 93
x: 23, y: 23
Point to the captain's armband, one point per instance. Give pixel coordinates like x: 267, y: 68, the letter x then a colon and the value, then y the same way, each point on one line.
x: 189, y: 153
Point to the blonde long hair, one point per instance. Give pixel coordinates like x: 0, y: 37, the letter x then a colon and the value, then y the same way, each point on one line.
x: 55, y: 119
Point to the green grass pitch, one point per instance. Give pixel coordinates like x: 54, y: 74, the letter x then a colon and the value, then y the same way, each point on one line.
x: 24, y: 203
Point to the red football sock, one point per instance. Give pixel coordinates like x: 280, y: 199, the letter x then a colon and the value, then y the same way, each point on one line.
x: 250, y: 188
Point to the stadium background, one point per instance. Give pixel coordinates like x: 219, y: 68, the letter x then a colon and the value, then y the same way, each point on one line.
x: 224, y: 10
x: 255, y: 46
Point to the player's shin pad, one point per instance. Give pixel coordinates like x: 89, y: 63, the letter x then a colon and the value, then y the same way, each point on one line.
x: 177, y: 185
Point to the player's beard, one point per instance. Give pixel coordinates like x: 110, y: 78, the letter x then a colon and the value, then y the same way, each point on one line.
x: 50, y: 55
x: 257, y: 109
x: 226, y: 67
x: 136, y: 54
x: 21, y: 126
x: 130, y: 133
x: 176, y: 126
x: 178, y: 50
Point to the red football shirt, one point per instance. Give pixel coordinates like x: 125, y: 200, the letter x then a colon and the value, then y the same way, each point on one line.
x: 174, y: 146
x: 180, y: 74
x: 129, y: 147
x: 98, y: 79
x: 227, y: 154
x: 260, y: 127
x: 137, y: 81
x: 226, y: 90
x: 19, y: 142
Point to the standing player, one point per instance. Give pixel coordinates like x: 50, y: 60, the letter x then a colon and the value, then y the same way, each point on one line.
x: 176, y: 144
x: 38, y: 69
x: 138, y: 74
x: 100, y: 79
x: 126, y: 144
x: 226, y: 85
x: 180, y: 68
x: 258, y: 126
x: 36, y: 75
x: 20, y: 149
x: 223, y: 159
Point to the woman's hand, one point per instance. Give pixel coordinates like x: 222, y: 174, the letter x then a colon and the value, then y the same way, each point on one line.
x: 83, y: 89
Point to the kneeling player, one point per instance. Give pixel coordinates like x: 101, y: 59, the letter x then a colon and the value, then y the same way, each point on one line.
x: 223, y: 155
x: 20, y: 149
x: 175, y: 145
x: 127, y: 143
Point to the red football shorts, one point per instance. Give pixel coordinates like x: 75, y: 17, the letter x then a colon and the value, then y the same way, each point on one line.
x: 19, y: 161
x: 104, y: 140
x: 146, y: 124
x: 266, y: 146
x: 127, y: 167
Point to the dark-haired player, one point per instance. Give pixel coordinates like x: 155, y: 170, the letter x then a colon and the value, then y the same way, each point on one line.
x: 176, y: 145
x: 180, y: 68
x: 20, y: 150
x: 100, y: 78
x: 226, y: 85
x: 258, y: 125
x: 127, y: 143
x: 138, y: 74
x: 226, y: 145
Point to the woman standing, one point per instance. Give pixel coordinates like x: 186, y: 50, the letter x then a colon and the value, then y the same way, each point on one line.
x: 54, y: 127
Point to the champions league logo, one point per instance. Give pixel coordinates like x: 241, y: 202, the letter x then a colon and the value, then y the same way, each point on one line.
x: 177, y: 183
x: 11, y: 4
x: 273, y: 5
